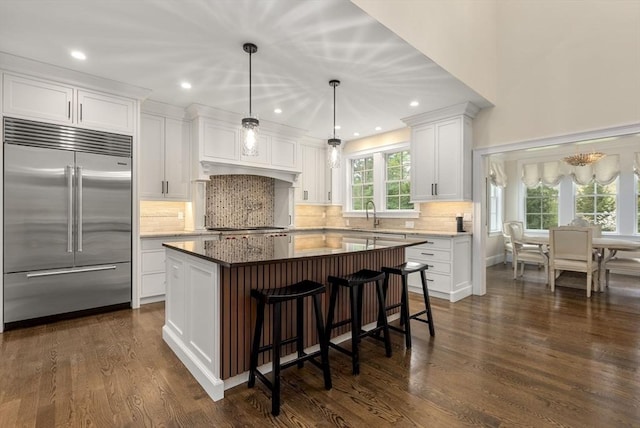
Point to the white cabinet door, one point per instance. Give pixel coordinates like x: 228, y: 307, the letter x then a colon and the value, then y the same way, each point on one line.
x: 176, y: 159
x: 105, y: 112
x: 448, y: 160
x: 35, y: 99
x: 219, y: 141
x: 264, y: 151
x: 313, y: 177
x: 152, y: 136
x: 283, y: 152
x: 423, y: 145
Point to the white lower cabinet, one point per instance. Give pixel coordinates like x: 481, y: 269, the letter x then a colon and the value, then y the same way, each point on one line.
x: 449, y: 261
x: 152, y: 267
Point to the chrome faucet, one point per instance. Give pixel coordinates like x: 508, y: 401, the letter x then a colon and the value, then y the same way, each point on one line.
x: 376, y: 222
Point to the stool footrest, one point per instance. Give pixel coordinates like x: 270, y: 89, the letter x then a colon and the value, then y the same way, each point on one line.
x: 426, y: 321
x: 305, y: 357
x: 282, y: 343
x: 340, y: 323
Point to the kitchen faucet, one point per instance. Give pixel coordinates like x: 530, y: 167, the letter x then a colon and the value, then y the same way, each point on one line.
x: 376, y: 222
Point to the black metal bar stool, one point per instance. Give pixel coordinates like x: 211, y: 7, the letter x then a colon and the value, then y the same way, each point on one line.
x: 276, y: 297
x: 355, y: 283
x: 403, y: 270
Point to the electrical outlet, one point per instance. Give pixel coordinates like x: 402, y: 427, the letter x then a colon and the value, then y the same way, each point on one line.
x: 180, y: 215
x: 408, y: 224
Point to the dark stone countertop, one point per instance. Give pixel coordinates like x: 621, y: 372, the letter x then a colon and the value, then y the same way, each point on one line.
x: 239, y: 250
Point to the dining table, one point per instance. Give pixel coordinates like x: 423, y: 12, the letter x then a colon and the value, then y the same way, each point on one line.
x: 607, y: 248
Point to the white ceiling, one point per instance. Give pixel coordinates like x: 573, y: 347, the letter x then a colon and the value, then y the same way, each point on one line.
x: 302, y: 44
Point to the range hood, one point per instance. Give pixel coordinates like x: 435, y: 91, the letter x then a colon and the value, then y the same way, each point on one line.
x: 210, y: 168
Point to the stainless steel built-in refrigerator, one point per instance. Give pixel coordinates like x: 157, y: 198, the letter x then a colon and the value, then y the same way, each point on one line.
x: 67, y: 220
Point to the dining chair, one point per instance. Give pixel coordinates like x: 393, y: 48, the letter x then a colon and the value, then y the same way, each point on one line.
x: 526, y: 253
x: 624, y: 263
x: 571, y: 249
x: 518, y: 233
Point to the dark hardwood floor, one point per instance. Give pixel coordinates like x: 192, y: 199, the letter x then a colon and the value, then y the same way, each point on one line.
x: 519, y: 356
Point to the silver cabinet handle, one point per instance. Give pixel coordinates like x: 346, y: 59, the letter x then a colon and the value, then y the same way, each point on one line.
x: 67, y: 271
x: 79, y: 208
x: 69, y: 173
x: 436, y: 189
x: 427, y: 254
x: 80, y: 112
x: 69, y: 110
x: 431, y: 189
x: 162, y: 191
x: 429, y: 279
x: 429, y: 242
x: 306, y: 195
x: 167, y: 187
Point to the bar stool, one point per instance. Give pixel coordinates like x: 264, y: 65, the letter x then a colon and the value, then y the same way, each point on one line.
x: 355, y: 283
x: 276, y: 297
x: 403, y: 270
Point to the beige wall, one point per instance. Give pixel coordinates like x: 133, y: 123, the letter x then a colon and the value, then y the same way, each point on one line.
x: 458, y: 35
x: 551, y: 67
x: 392, y: 137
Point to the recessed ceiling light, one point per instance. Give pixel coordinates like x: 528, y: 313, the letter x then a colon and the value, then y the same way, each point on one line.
x: 277, y: 111
x: 78, y: 55
x: 337, y: 127
x: 414, y: 103
x: 378, y: 128
x: 185, y: 85
x: 356, y: 134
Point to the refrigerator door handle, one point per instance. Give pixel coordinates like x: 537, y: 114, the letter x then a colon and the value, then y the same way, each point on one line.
x: 79, y: 208
x: 67, y: 271
x: 70, y: 209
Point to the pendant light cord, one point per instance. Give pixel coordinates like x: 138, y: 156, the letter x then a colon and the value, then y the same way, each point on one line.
x: 250, y: 114
x: 334, y: 111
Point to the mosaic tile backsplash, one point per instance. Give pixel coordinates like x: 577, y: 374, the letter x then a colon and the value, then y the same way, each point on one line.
x: 240, y: 201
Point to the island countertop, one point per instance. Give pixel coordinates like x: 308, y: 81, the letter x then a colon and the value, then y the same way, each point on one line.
x: 242, y: 250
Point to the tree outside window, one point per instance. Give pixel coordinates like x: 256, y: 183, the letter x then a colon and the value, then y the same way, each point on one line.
x: 597, y: 203
x: 361, y: 182
x: 541, y: 207
x: 398, y: 186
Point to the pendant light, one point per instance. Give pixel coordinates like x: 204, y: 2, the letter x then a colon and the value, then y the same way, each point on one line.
x: 251, y: 123
x: 333, y: 158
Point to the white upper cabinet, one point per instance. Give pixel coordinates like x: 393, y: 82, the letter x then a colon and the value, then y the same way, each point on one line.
x: 164, y: 158
x: 313, y: 185
x: 441, y: 154
x: 217, y: 146
x: 46, y: 101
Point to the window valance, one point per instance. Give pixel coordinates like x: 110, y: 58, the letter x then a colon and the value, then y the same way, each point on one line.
x: 497, y: 174
x: 605, y: 171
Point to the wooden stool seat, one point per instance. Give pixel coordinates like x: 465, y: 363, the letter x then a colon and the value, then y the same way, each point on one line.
x: 403, y: 270
x: 275, y: 297
x: 355, y: 283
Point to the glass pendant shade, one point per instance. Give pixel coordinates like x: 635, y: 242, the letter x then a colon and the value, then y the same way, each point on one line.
x: 250, y: 124
x: 334, y: 153
x: 250, y: 128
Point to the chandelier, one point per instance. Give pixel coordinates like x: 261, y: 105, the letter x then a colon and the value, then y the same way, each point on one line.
x: 582, y: 159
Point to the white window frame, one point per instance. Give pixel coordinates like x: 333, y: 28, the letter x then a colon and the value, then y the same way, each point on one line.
x: 575, y: 194
x: 496, y: 209
x: 637, y: 204
x: 523, y: 205
x: 379, y: 179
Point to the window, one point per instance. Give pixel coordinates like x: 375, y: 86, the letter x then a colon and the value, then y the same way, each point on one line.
x: 361, y: 182
x: 383, y: 177
x: 597, y: 203
x: 541, y: 207
x: 495, y: 208
x: 398, y: 186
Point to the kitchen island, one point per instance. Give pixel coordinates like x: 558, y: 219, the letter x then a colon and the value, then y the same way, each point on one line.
x: 209, y: 312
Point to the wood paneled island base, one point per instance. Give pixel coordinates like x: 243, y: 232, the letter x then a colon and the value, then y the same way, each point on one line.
x: 209, y: 312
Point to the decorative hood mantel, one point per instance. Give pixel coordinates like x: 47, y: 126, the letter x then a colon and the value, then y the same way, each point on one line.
x: 217, y: 146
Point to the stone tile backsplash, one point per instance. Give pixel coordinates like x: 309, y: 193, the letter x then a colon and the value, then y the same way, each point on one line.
x: 240, y: 201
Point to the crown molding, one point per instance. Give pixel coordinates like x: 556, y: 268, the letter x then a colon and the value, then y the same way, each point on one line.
x: 467, y: 109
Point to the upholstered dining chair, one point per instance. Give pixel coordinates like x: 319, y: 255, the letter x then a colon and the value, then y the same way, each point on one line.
x: 624, y: 263
x: 523, y: 253
x: 571, y: 249
x: 519, y: 233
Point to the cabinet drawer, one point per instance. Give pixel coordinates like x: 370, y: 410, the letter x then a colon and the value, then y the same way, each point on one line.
x: 435, y: 282
x: 439, y: 267
x: 153, y: 261
x: 423, y: 255
x: 153, y: 285
x: 437, y: 243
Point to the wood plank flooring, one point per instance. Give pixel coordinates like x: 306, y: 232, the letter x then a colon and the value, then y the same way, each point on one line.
x: 519, y: 356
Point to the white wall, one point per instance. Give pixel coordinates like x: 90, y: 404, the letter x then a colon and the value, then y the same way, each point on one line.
x: 551, y: 67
